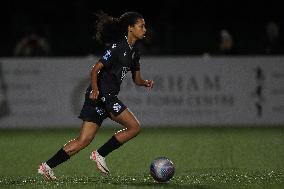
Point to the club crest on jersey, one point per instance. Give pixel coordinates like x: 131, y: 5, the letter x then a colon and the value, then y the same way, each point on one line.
x: 113, y: 46
x: 107, y: 55
x: 116, y: 107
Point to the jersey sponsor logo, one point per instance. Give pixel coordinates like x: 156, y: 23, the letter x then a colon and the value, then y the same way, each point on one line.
x: 116, y: 107
x: 124, y: 72
x: 107, y: 55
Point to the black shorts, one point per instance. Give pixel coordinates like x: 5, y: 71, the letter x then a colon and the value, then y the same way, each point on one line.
x: 98, y: 110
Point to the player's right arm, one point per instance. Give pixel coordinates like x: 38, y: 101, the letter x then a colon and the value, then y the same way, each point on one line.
x: 94, y: 80
x: 105, y: 61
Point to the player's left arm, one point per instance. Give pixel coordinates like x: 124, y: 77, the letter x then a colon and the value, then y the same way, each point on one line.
x: 136, y: 76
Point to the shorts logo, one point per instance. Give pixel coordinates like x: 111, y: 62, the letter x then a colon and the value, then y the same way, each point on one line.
x: 116, y: 107
x: 100, y: 111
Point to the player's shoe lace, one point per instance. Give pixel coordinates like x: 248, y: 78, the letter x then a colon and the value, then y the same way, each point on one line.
x: 45, y: 170
x: 100, y: 161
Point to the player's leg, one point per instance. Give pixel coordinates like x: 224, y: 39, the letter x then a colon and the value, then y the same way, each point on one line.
x: 87, y: 133
x: 131, y: 129
x: 129, y: 122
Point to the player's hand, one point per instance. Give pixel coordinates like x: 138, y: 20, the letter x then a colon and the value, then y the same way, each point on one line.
x: 94, y: 94
x: 149, y: 84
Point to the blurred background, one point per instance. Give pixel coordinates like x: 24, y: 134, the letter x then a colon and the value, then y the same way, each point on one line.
x: 66, y: 28
x: 226, y: 55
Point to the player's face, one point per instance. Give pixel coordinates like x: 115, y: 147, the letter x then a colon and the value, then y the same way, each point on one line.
x: 139, y: 29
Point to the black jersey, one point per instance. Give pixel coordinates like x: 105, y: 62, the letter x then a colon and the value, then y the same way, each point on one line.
x: 117, y: 61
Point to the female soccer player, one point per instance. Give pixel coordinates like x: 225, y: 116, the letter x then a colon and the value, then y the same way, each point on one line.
x: 101, y: 101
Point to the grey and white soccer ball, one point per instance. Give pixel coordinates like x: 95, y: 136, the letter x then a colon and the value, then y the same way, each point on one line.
x: 162, y: 169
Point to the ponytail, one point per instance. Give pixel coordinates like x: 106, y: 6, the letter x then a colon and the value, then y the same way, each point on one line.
x: 110, y: 29
x: 107, y: 28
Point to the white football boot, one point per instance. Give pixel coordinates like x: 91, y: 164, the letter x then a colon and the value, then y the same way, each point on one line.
x: 45, y: 170
x: 100, y: 161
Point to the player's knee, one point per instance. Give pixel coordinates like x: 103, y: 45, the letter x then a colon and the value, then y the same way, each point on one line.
x: 136, y: 129
x: 83, y: 142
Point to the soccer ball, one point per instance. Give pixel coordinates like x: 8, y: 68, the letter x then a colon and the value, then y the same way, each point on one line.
x: 162, y: 169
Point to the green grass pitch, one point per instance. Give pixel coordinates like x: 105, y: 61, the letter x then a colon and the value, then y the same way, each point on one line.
x: 204, y: 158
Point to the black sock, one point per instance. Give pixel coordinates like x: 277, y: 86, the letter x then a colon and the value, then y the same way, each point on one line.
x: 109, y: 146
x: 58, y: 158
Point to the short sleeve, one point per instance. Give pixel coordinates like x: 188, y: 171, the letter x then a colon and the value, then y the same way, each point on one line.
x: 109, y: 56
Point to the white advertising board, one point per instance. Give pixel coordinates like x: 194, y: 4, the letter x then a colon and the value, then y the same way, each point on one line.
x: 189, y: 91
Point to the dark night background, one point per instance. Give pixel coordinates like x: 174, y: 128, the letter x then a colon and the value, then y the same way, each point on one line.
x: 176, y: 27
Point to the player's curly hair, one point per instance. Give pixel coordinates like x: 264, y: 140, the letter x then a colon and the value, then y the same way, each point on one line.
x: 110, y: 29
